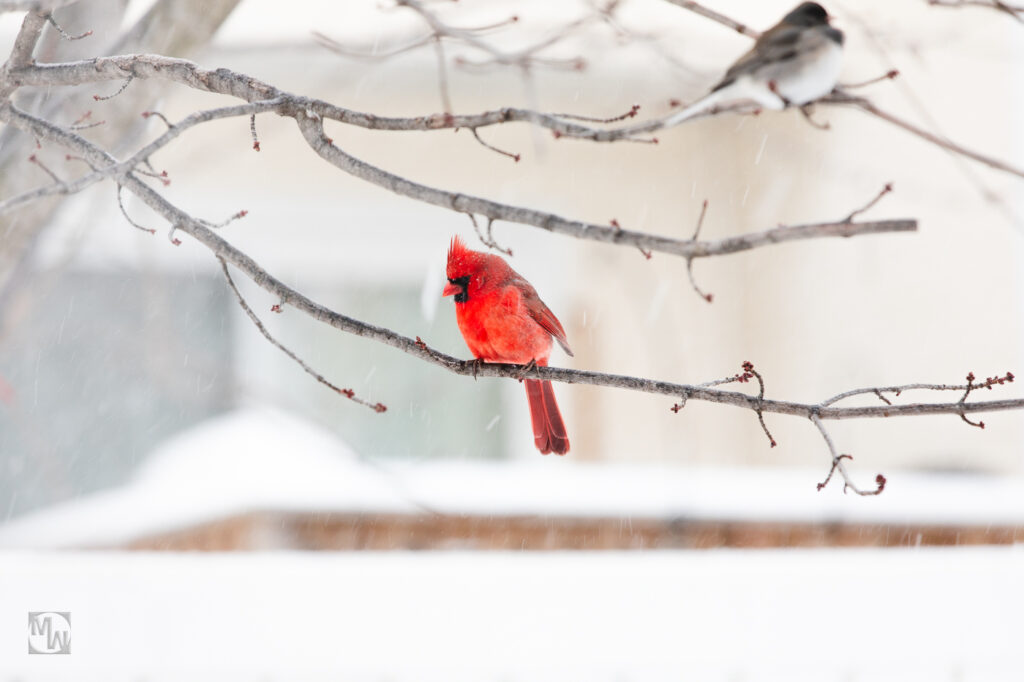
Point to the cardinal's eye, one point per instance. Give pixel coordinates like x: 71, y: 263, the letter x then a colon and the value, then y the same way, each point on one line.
x: 462, y: 283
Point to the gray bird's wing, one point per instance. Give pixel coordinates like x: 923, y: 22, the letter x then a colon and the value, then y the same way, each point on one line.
x: 780, y: 44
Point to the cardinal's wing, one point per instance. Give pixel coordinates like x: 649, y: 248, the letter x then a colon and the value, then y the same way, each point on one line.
x: 542, y: 315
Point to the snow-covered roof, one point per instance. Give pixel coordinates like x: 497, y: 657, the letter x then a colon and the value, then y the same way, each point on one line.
x: 248, y: 460
x: 262, y: 459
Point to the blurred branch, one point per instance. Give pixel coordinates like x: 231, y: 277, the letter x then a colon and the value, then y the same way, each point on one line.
x: 180, y: 27
x: 1015, y: 11
x: 33, y: 5
x: 440, y: 31
x: 925, y: 113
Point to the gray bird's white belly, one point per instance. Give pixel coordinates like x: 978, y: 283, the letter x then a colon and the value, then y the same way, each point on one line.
x: 815, y: 77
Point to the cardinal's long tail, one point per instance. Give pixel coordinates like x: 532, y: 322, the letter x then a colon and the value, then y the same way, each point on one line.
x: 548, y: 427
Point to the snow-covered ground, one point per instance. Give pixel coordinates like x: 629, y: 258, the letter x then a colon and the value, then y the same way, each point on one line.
x: 261, y: 459
x: 924, y: 615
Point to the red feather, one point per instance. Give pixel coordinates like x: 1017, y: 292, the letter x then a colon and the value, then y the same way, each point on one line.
x: 502, y: 319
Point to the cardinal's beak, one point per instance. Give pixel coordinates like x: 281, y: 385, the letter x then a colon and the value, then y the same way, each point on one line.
x: 450, y: 289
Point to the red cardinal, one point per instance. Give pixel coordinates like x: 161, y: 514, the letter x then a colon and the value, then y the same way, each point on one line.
x: 502, y: 319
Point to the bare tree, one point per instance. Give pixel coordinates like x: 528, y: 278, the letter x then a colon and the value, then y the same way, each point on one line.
x: 39, y: 95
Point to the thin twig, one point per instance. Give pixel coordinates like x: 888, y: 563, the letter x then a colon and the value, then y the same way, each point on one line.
x: 748, y: 369
x: 514, y: 157
x: 224, y: 223
x: 442, y: 76
x: 347, y: 392
x: 488, y: 240
x: 1007, y: 378
x: 589, y: 119
x: 497, y: 25
x: 64, y: 34
x: 252, y: 131
x: 124, y: 212
x: 375, y: 55
x: 35, y: 159
x: 865, y: 207
x: 81, y: 124
x: 837, y: 465
x: 150, y: 172
x: 147, y: 114
x: 888, y: 75
x: 124, y: 86
x: 963, y: 399
x: 689, y: 261
x: 524, y: 58
x: 72, y: 157
x: 748, y: 372
x: 832, y: 470
x: 82, y: 119
x: 808, y: 113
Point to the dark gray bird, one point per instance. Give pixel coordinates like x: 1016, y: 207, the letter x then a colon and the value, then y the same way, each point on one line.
x: 796, y: 61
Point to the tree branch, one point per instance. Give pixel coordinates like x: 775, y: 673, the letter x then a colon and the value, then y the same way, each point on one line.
x: 21, y: 54
x: 313, y: 132
x: 309, y: 115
